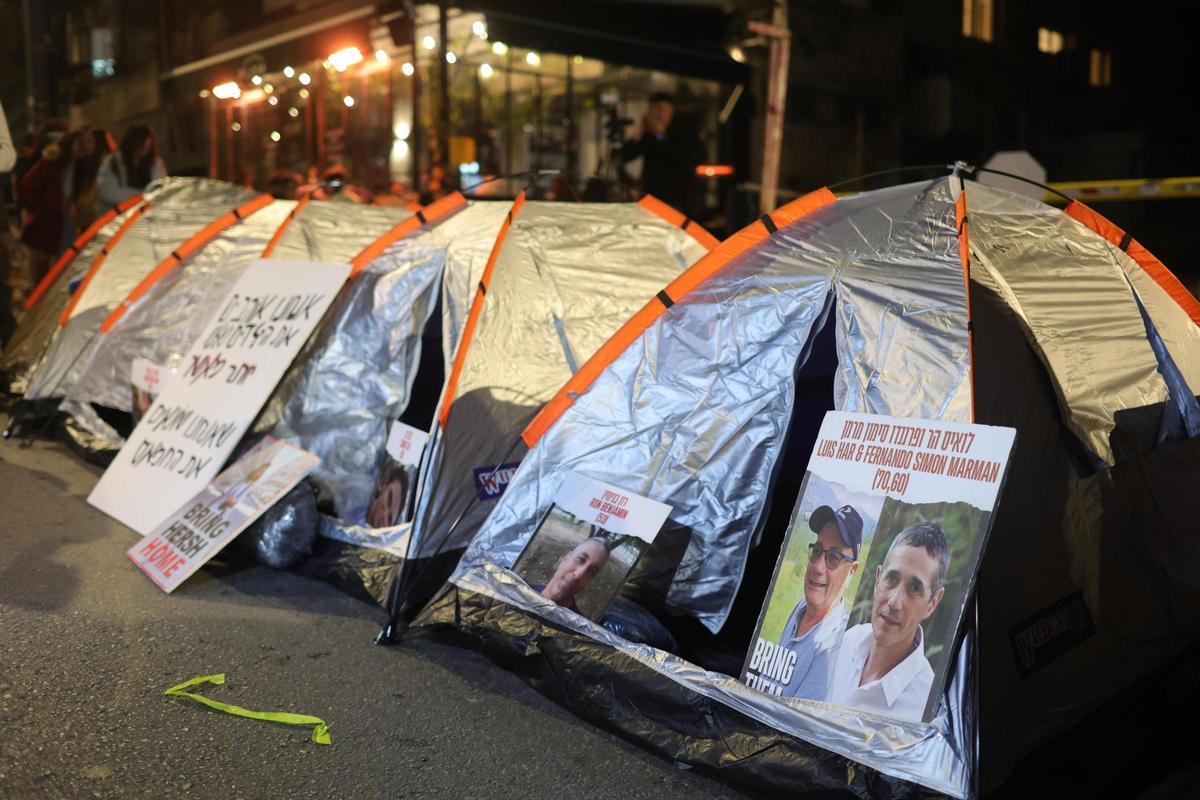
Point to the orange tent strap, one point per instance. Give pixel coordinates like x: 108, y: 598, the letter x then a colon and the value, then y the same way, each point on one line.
x: 476, y: 309
x: 183, y: 252
x: 80, y: 242
x: 95, y: 267
x: 434, y: 212
x: 283, y: 226
x: 964, y: 253
x: 683, y: 285
x: 678, y: 219
x: 1143, y: 257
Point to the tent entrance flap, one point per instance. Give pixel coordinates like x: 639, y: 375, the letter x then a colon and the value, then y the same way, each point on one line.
x: 812, y: 396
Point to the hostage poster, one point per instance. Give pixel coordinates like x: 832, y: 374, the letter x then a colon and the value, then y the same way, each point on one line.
x: 878, y: 563
x: 195, y: 533
x: 587, y: 543
x: 231, y: 369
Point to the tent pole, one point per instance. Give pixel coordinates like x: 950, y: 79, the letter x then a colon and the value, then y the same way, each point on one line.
x: 396, y: 626
x: 417, y: 128
x: 572, y: 134
x: 777, y: 76
x: 443, y: 141
x: 319, y: 114
x: 214, y: 152
x: 508, y: 114
x: 228, y: 172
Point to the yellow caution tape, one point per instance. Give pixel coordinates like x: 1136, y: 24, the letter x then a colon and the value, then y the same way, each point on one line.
x: 320, y: 733
x: 1100, y: 191
x: 1127, y: 189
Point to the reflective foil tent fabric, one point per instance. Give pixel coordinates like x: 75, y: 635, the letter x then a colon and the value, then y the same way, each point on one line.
x: 560, y: 279
x: 163, y: 321
x: 178, y: 217
x: 939, y: 300
x: 356, y: 374
x: 30, y: 342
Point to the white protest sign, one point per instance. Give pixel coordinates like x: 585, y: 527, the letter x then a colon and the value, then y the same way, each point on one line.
x: 611, y: 507
x: 221, y: 384
x: 918, y: 460
x: 223, y: 509
x: 405, y: 443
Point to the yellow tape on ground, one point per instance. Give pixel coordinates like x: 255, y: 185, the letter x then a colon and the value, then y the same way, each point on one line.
x: 320, y: 733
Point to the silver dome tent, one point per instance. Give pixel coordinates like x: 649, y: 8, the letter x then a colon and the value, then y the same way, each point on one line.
x: 944, y: 300
x: 560, y: 279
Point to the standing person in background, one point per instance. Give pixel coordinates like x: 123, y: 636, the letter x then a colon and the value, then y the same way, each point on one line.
x: 127, y: 171
x: 8, y: 157
x: 89, y: 148
x: 79, y: 162
x: 668, y: 159
x: 284, y: 185
x: 40, y: 191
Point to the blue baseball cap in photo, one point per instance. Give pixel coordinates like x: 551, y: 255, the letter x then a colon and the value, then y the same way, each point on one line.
x: 848, y: 521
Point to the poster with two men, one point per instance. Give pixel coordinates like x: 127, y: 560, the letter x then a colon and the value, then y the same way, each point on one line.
x: 879, y: 563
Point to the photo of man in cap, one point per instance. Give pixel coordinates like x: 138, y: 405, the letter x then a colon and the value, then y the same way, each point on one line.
x: 881, y: 665
x: 814, y: 629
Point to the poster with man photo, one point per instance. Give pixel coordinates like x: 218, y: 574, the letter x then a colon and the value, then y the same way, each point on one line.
x: 195, y: 533
x: 251, y: 484
x: 879, y: 562
x: 587, y: 542
x: 145, y: 382
x: 392, y: 498
x: 806, y: 611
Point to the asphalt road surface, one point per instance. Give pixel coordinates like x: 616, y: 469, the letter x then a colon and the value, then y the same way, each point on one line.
x: 87, y: 646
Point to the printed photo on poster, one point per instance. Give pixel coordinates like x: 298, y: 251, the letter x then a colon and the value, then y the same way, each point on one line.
x: 587, y: 543
x: 251, y: 484
x: 807, y: 610
x: 145, y: 381
x: 224, y: 508
x: 392, y: 498
x: 905, y: 616
x: 879, y: 563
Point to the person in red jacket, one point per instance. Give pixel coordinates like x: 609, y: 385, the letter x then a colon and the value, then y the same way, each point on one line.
x: 40, y: 191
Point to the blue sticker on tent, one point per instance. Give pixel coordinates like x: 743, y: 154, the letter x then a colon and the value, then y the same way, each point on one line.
x: 490, y: 482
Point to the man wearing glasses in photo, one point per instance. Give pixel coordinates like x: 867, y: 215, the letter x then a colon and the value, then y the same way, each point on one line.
x: 814, y: 629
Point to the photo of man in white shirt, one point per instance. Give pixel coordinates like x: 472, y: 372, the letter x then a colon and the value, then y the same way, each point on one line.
x: 882, y: 666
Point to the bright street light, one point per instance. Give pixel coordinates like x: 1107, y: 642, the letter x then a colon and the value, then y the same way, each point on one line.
x: 227, y: 91
x: 346, y: 57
